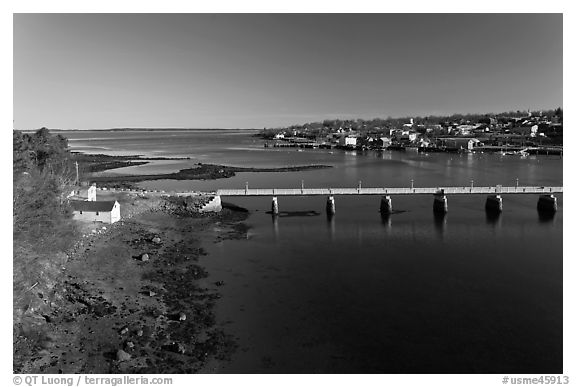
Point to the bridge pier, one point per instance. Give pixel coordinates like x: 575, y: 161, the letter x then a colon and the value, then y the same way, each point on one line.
x: 386, y: 205
x: 547, y: 203
x: 440, y: 203
x: 274, y: 205
x: 494, y: 203
x: 330, y: 206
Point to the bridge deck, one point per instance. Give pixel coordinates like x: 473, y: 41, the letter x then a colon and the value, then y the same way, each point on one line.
x: 386, y: 191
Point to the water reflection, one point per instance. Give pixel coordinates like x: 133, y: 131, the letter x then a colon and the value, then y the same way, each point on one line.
x: 386, y: 220
x: 440, y: 223
x: 331, y: 223
x: 275, y: 226
x: 359, y: 234
x: 546, y: 216
x: 470, y: 159
x: 385, y: 155
x: 494, y: 218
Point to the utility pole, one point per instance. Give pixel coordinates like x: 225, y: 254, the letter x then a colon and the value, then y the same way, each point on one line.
x: 77, y: 174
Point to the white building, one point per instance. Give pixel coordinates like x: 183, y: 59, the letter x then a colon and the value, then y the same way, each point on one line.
x: 92, y: 193
x: 461, y: 142
x: 88, y: 194
x: 348, y: 141
x: 405, y: 135
x: 531, y: 130
x: 411, y: 136
x: 465, y: 130
x: 384, y: 141
x: 96, y: 211
x: 410, y: 125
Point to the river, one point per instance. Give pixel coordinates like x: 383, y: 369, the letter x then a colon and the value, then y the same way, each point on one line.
x: 358, y: 293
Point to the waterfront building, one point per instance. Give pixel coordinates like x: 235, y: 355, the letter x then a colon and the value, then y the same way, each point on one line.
x: 96, y: 211
x: 459, y: 142
x: 348, y: 140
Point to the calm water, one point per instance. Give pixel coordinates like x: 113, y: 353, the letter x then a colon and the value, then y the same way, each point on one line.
x: 358, y: 293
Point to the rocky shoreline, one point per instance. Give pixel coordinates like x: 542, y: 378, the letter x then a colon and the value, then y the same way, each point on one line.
x: 133, y: 298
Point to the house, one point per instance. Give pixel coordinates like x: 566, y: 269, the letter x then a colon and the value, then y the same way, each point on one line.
x: 527, y: 130
x: 459, y: 142
x: 96, y: 211
x: 465, y: 130
x: 88, y: 194
x: 410, y: 136
x: 384, y: 142
x: 405, y: 135
x: 348, y: 141
x: 424, y: 142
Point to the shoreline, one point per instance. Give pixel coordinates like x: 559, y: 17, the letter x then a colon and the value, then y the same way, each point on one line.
x: 202, y: 171
x: 119, y: 311
x: 100, y: 162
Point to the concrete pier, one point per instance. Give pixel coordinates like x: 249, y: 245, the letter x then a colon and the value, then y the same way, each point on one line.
x: 386, y: 205
x: 212, y: 205
x: 440, y: 203
x: 494, y: 203
x: 275, y: 206
x: 330, y: 205
x: 547, y: 203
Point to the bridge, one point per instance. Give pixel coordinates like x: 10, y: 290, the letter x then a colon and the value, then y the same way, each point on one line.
x: 386, y: 191
x: 547, y: 202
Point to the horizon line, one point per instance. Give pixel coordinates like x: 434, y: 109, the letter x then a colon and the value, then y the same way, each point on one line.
x: 288, y: 125
x: 133, y: 128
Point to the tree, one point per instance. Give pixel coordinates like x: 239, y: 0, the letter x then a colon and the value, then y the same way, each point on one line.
x: 558, y: 112
x: 42, y: 175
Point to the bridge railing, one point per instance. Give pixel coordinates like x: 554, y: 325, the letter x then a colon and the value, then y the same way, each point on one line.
x: 387, y: 191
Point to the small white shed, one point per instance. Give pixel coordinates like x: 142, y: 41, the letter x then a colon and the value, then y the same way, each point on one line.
x: 96, y: 211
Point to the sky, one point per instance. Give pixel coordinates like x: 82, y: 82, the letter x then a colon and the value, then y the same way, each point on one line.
x: 91, y: 71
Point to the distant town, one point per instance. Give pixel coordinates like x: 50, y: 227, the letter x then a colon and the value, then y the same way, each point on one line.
x: 520, y: 132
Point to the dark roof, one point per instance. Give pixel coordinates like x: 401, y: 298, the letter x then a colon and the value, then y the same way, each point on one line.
x: 95, y: 206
